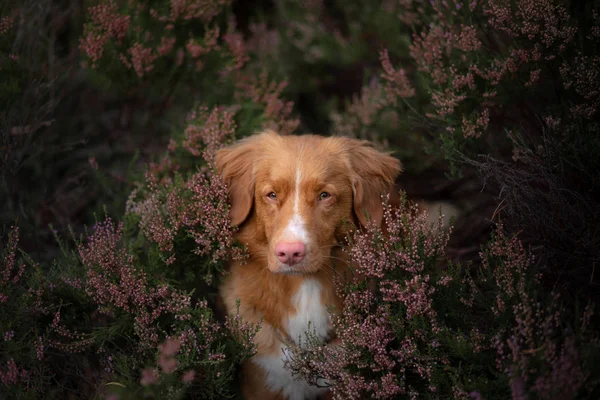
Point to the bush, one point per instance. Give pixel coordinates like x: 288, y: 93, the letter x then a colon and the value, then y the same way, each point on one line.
x: 412, y: 328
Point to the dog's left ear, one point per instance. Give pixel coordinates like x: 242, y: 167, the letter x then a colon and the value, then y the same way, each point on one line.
x: 374, y: 176
x: 235, y: 164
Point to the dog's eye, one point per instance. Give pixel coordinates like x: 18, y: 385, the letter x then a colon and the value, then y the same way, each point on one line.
x: 324, y: 196
x: 272, y: 195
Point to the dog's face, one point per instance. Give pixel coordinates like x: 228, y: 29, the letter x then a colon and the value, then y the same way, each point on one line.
x: 297, y: 195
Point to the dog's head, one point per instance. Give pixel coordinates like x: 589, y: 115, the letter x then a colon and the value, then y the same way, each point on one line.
x: 295, y: 196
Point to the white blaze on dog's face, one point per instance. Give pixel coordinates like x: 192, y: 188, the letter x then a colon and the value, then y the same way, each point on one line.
x: 303, y: 198
x: 299, y: 194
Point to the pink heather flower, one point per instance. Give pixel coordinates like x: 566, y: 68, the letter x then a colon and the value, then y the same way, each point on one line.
x: 236, y: 45
x: 199, y: 207
x: 6, y: 24
x: 395, y: 266
x: 106, y: 24
x: 188, y: 377
x: 539, y: 21
x: 167, y: 352
x: 9, y: 335
x: 39, y: 348
x: 398, y: 85
x: 209, y: 43
x: 364, y: 112
x: 10, y: 374
x: 268, y: 94
x: 116, y: 285
x: 242, y: 329
x: 207, y: 133
x: 476, y: 128
x: 582, y: 76
x: 149, y: 376
x: 446, y: 102
x: 166, y: 45
x: 263, y: 42
x: 170, y: 347
x: 10, y: 272
x: 141, y: 59
x: 167, y: 364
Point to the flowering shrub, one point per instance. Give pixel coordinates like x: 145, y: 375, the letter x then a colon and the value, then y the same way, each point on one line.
x: 508, y: 87
x: 177, y: 212
x: 177, y: 44
x: 14, y: 338
x: 413, y: 327
x: 119, y: 314
x: 128, y: 288
x: 504, y: 87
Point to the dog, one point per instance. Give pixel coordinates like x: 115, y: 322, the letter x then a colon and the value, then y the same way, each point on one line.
x: 294, y: 199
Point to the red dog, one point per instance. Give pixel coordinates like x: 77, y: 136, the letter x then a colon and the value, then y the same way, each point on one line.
x: 294, y: 198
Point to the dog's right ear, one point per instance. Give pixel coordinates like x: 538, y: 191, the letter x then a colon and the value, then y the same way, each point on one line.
x: 236, y: 165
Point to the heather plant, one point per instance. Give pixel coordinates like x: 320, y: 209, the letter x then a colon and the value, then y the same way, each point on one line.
x: 107, y: 312
x: 415, y: 326
x: 186, y: 48
x: 506, y: 87
x: 121, y: 304
x: 506, y: 80
x: 128, y: 308
x: 23, y: 343
x: 182, y: 208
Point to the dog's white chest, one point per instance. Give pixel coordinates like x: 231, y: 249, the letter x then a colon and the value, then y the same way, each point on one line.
x: 311, y: 314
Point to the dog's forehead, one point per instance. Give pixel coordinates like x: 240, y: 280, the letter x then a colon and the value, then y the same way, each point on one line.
x: 306, y: 157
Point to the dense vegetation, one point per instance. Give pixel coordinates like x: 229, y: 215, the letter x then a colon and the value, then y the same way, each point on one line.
x: 114, y: 229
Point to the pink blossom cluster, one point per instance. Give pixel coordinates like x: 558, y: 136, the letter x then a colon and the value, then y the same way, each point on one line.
x: 117, y: 286
x: 146, y: 51
x: 543, y: 22
x: 466, y: 63
x: 535, y: 356
x: 10, y: 272
x: 536, y: 352
x: 509, y: 264
x: 208, y: 132
x: 140, y: 58
x: 261, y: 90
x: 199, y: 341
x: 364, y: 112
x: 398, y: 85
x: 198, y: 48
x: 6, y: 24
x: 263, y: 42
x: 244, y: 330
x: 407, y: 11
x: 582, y: 75
x: 10, y: 374
x: 390, y: 272
x: 381, y: 352
x: 106, y: 24
x: 196, y: 207
x: 237, y: 47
